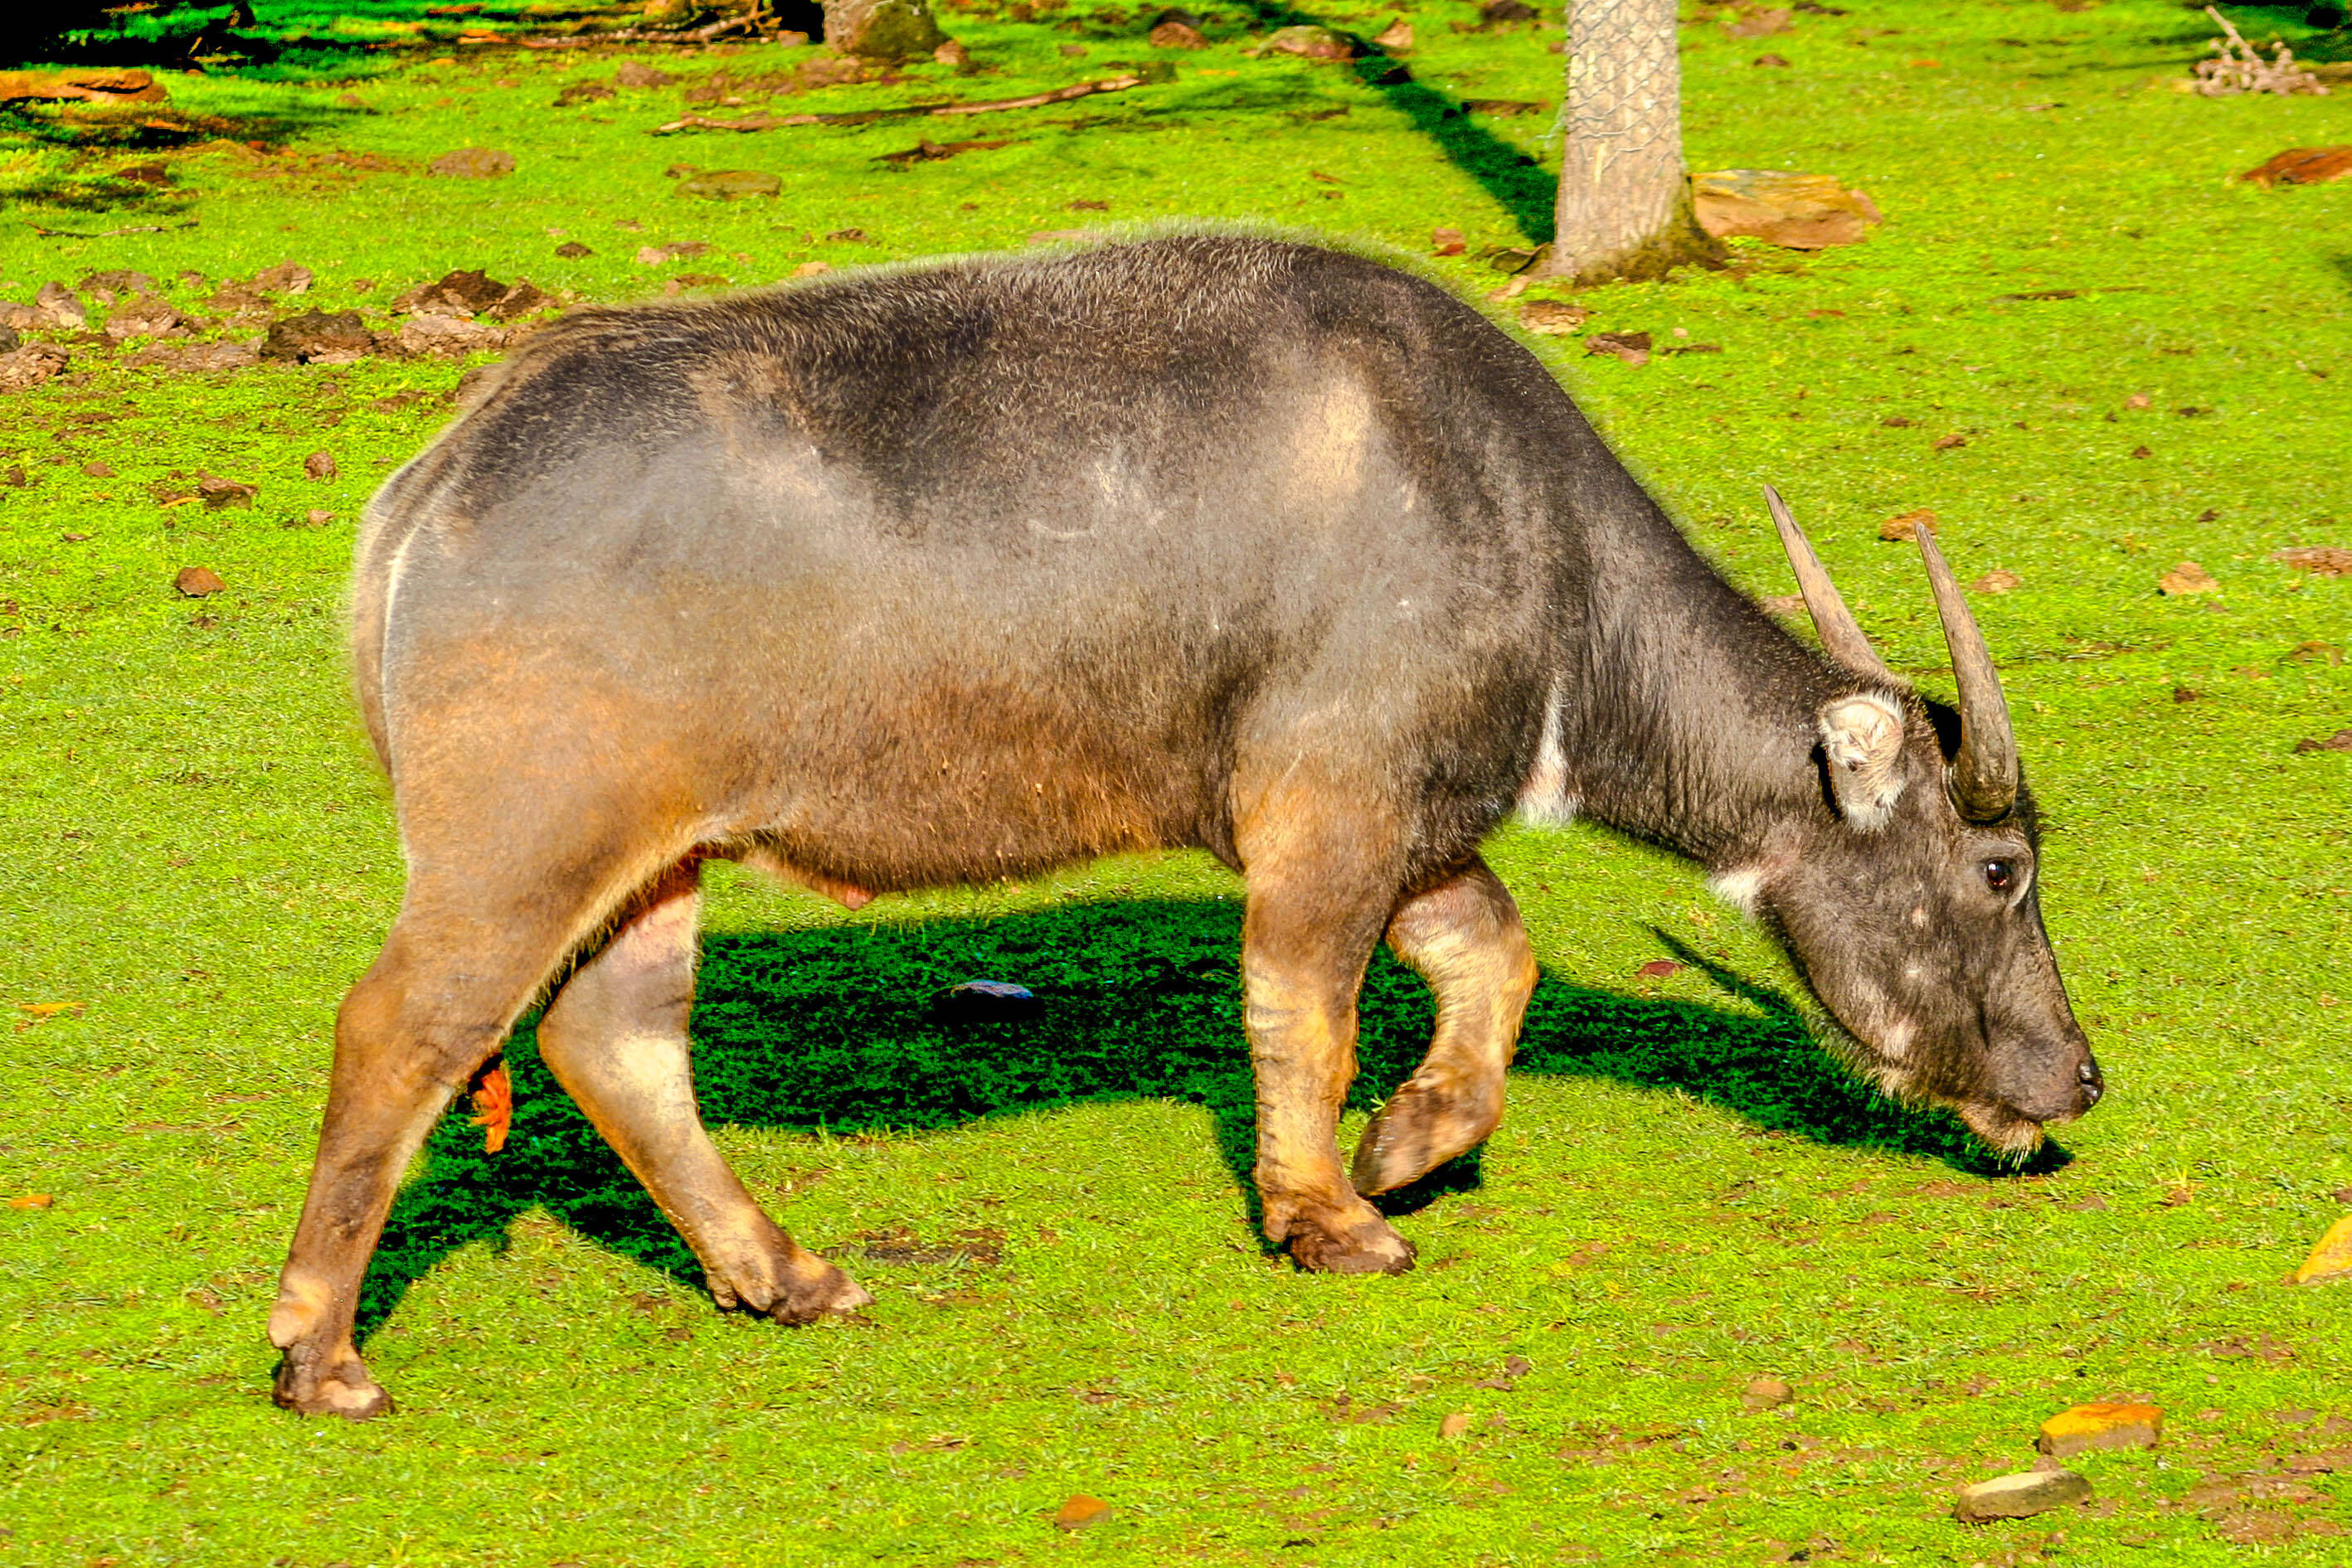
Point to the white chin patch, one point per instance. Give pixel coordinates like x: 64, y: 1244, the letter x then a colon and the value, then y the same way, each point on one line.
x: 1739, y: 887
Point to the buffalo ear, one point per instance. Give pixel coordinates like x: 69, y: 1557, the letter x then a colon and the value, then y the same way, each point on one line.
x: 1862, y: 742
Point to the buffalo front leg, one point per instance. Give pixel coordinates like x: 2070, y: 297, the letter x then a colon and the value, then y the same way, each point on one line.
x: 1463, y: 937
x: 1306, y: 938
x: 615, y: 1037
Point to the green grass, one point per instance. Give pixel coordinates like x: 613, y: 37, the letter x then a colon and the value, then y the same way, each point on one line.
x: 194, y: 846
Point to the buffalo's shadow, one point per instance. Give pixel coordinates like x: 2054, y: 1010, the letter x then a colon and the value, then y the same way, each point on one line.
x: 839, y: 1027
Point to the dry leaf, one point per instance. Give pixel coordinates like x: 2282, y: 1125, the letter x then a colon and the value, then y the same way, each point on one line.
x: 1445, y: 242
x: 1079, y: 1512
x: 32, y: 1200
x: 1657, y: 968
x: 2324, y: 560
x: 1903, y: 528
x: 493, y: 1093
x: 1997, y: 582
x: 198, y: 583
x: 1455, y: 1425
x: 2185, y: 579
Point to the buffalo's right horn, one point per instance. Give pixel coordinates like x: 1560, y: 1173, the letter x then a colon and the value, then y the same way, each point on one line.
x: 1841, y: 635
x: 1984, y: 773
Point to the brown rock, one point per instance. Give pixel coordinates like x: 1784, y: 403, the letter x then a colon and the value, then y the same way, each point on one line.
x: 587, y: 91
x: 1903, y: 528
x: 80, y: 87
x: 952, y: 53
x: 2088, y: 1427
x: 454, y: 294
x: 2020, y: 1496
x: 2187, y: 579
x: 1997, y: 582
x: 572, y: 250
x: 525, y: 298
x: 1497, y: 11
x: 1310, y: 43
x: 97, y: 469
x: 882, y: 29
x: 319, y: 466
x: 197, y: 582
x: 445, y: 337
x: 1396, y: 38
x: 1767, y: 1393
x: 2302, y: 167
x: 1553, y: 317
x: 286, y: 278
x: 473, y: 163
x: 217, y: 493
x: 1175, y: 34
x: 29, y: 366
x: 144, y: 316
x: 1770, y: 62
x: 1796, y: 211
x: 1080, y: 1511
x: 59, y: 307
x: 2340, y: 741
x: 319, y: 338
x: 114, y: 284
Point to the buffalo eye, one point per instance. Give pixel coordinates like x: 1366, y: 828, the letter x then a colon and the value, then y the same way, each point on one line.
x: 1999, y: 876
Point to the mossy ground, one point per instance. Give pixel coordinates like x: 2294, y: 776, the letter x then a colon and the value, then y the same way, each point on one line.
x: 199, y: 853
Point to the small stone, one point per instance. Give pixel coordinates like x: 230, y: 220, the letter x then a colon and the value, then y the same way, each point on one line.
x: 1766, y: 1394
x: 1080, y: 1511
x: 286, y: 278
x: 319, y: 466
x: 2332, y: 1257
x: 882, y: 29
x: 216, y: 492
x: 144, y: 316
x: 1455, y: 1425
x: 59, y: 306
x: 198, y: 583
x: 572, y: 250
x: 473, y: 163
x: 1903, y: 528
x: 984, y: 1001
x: 1175, y: 34
x: 2185, y: 579
x: 2020, y: 1496
x: 1309, y: 43
x: 319, y: 338
x: 1553, y: 317
x: 2087, y: 1427
x: 29, y: 366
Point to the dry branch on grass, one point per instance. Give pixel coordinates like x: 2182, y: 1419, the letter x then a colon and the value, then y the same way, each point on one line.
x: 2236, y: 67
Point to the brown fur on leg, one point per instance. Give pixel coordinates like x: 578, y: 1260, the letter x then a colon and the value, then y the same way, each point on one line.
x: 615, y: 1037
x: 1463, y: 937
x: 1318, y: 892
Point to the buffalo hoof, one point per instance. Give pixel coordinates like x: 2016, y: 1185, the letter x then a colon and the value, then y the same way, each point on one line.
x: 812, y: 1290
x: 1414, y: 1134
x: 347, y: 1390
x: 1367, y: 1246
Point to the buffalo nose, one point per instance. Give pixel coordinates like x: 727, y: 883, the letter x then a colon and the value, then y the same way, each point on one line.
x: 2094, y: 1086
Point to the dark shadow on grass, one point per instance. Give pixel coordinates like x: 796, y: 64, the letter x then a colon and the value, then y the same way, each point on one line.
x: 837, y: 1029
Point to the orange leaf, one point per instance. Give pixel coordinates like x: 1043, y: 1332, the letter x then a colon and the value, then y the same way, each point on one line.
x: 493, y: 1093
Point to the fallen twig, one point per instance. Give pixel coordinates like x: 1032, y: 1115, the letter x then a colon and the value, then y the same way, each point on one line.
x: 862, y: 116
x: 108, y: 234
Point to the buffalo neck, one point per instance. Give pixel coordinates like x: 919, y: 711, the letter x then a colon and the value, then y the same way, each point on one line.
x: 1686, y: 714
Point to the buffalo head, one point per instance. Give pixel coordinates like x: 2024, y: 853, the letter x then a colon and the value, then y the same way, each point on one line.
x: 1910, y: 901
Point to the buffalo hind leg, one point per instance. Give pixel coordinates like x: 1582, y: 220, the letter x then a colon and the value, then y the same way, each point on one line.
x: 438, y: 999
x: 615, y: 1037
x: 1465, y: 938
x: 1314, y: 914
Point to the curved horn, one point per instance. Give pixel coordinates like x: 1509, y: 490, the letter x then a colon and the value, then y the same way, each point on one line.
x: 1840, y: 637
x: 1984, y: 774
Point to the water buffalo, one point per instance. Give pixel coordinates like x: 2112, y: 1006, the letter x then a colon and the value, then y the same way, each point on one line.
x: 966, y: 570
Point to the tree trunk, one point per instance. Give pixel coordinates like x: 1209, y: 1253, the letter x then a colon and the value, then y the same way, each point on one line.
x: 1624, y: 196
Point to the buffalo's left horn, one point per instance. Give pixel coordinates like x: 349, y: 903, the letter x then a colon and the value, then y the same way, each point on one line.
x: 1841, y: 635
x: 1984, y: 774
